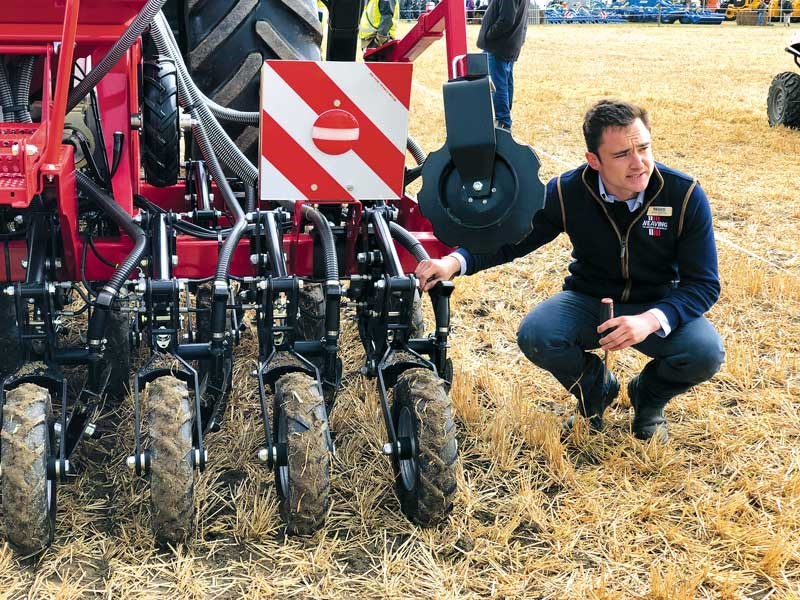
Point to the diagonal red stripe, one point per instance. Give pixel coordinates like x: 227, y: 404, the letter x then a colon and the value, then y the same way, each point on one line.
x: 396, y: 77
x: 317, y: 89
x: 294, y: 163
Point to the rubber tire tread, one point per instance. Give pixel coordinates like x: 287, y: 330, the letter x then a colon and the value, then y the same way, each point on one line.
x: 431, y: 499
x: 417, y: 319
x: 26, y: 444
x: 788, y: 84
x: 161, y: 122
x: 9, y: 336
x: 227, y: 41
x: 299, y: 400
x: 310, y: 324
x: 171, y: 471
x: 118, y: 352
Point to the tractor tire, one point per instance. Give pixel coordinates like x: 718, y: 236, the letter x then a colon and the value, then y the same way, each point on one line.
x: 9, y: 337
x: 170, y: 418
x: 783, y: 100
x: 118, y: 353
x: 417, y: 320
x: 422, y: 414
x: 227, y: 42
x: 301, y: 423
x: 161, y: 133
x: 29, y: 495
x: 310, y: 324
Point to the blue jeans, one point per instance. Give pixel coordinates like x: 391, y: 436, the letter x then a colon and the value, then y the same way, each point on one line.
x: 502, y: 74
x: 558, y: 332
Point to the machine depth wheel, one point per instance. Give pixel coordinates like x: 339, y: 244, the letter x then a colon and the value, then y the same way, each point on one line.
x: 311, y: 321
x: 29, y: 494
x: 161, y: 122
x: 425, y: 471
x: 227, y: 42
x: 9, y: 336
x: 783, y: 100
x: 171, y: 471
x: 118, y: 352
x: 301, y: 427
x: 417, y: 318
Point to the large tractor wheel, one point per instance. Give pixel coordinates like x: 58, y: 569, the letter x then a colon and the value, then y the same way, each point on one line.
x: 783, y: 100
x: 301, y: 427
x: 425, y: 479
x: 29, y: 494
x: 171, y: 471
x: 161, y: 136
x: 227, y: 42
x: 9, y: 336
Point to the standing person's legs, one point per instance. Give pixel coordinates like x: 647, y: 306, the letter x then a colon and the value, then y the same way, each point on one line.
x: 555, y: 336
x: 498, y: 71
x: 510, y: 88
x: 689, y: 355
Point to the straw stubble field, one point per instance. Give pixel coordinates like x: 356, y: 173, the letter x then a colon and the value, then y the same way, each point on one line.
x: 714, y: 514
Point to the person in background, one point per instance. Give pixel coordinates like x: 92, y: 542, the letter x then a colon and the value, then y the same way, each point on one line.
x: 501, y: 36
x: 787, y: 7
x: 762, y: 8
x: 378, y: 22
x: 642, y: 235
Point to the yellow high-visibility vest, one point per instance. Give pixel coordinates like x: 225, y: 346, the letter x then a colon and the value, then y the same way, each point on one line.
x: 371, y: 18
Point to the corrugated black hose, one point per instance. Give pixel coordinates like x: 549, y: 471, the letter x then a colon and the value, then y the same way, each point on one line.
x: 97, y: 324
x: 409, y: 242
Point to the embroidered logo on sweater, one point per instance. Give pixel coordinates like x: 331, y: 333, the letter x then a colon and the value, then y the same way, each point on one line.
x: 655, y: 226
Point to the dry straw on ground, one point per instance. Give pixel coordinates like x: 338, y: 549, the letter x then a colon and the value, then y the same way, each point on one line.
x: 715, y: 514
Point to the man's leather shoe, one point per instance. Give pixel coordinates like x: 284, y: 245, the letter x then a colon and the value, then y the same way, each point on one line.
x: 648, y: 416
x: 593, y: 409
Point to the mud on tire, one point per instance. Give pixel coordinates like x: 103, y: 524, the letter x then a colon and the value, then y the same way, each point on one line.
x: 425, y: 483
x: 169, y: 413
x: 301, y: 423
x: 29, y: 497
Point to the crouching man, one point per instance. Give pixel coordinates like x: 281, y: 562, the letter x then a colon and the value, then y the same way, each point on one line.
x: 642, y: 235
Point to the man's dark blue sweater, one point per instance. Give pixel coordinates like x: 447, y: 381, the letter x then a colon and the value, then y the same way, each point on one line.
x: 666, y: 257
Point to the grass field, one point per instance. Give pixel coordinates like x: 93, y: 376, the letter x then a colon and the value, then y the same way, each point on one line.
x: 714, y: 514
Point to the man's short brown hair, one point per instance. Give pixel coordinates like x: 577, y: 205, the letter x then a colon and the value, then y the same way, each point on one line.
x: 610, y: 113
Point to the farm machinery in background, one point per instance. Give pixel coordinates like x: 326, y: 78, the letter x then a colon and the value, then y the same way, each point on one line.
x: 152, y: 208
x: 775, y: 9
x: 644, y: 11
x: 783, y: 98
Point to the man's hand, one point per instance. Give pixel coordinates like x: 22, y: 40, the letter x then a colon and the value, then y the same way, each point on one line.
x: 433, y: 270
x: 627, y: 331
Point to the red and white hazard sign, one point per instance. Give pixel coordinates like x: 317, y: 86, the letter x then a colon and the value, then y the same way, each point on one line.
x: 333, y: 130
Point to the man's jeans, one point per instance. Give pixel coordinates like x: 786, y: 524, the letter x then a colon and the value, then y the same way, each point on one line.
x: 556, y: 334
x: 502, y: 74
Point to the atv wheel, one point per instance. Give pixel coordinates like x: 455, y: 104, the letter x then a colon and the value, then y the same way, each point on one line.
x: 783, y: 100
x: 301, y: 427
x: 171, y: 470
x: 423, y: 419
x: 227, y: 42
x: 161, y: 122
x: 9, y: 337
x: 29, y: 495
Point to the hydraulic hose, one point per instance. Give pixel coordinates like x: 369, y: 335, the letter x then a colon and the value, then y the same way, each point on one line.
x: 120, y: 47
x: 416, y: 150
x: 24, y: 77
x: 326, y: 237
x: 97, y: 324
x: 409, y: 242
x: 193, y: 100
x: 6, y: 94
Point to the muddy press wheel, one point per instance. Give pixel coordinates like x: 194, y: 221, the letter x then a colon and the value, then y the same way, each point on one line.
x: 169, y: 415
x: 303, y: 465
x: 425, y: 467
x: 29, y: 491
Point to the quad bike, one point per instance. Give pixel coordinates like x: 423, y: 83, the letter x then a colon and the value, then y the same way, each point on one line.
x: 132, y: 213
x: 783, y: 99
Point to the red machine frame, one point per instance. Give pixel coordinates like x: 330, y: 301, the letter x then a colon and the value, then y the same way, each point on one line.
x: 51, y: 168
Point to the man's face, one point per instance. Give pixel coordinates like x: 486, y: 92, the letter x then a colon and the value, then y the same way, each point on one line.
x: 624, y: 159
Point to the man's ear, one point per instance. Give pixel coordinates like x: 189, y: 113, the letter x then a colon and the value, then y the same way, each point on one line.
x: 593, y: 160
